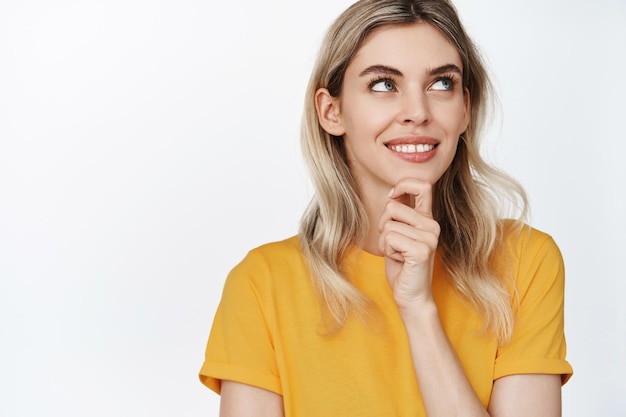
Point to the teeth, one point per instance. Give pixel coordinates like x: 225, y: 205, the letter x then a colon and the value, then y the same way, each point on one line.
x: 421, y: 147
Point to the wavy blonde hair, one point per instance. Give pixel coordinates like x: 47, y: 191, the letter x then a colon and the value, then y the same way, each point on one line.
x: 467, y: 199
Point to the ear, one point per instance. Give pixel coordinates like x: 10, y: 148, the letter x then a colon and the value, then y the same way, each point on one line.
x: 329, y: 112
x: 468, y: 108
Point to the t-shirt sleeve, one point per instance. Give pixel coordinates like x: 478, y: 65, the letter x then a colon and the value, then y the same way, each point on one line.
x: 538, y: 341
x: 240, y: 346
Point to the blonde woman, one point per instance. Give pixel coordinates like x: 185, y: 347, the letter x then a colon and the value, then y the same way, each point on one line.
x: 405, y: 292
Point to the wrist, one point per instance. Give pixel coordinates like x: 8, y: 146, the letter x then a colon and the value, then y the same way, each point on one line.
x: 419, y: 311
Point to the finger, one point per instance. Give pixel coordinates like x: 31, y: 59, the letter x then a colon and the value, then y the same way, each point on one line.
x: 421, y: 192
x: 400, y: 237
x: 401, y: 229
x: 398, y: 212
x: 389, y: 249
x: 401, y: 247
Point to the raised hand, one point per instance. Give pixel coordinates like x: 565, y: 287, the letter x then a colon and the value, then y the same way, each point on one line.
x: 408, y: 239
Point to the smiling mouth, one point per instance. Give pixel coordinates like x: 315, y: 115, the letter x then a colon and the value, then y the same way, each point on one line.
x: 411, y: 148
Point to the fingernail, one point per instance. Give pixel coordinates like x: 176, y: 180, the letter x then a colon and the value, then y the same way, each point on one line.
x: 391, y: 192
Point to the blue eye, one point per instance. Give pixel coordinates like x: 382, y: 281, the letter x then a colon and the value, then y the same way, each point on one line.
x: 385, y: 85
x: 443, y: 84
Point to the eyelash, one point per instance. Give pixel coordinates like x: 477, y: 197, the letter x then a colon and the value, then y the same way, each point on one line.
x: 379, y: 79
x: 451, y: 78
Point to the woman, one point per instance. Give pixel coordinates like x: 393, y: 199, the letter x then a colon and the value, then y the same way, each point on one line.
x: 404, y: 293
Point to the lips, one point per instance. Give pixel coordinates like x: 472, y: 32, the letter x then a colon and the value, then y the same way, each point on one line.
x: 414, y: 148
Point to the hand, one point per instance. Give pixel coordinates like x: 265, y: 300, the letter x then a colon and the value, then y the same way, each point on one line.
x: 408, y: 239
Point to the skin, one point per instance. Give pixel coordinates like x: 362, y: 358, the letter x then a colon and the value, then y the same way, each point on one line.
x: 241, y: 400
x: 412, y: 102
x: 404, y: 108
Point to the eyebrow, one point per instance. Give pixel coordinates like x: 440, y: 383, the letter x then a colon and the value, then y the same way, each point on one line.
x: 380, y: 69
x: 384, y: 69
x: 444, y: 69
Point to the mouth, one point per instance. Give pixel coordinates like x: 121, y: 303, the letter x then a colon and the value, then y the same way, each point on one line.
x: 412, y: 148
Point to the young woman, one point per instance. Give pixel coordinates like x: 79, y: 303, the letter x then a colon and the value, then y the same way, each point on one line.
x: 405, y: 292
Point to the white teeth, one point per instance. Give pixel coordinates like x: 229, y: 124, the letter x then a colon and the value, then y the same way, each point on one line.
x: 421, y: 147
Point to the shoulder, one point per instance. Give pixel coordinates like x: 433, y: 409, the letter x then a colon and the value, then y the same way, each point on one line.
x: 284, y: 249
x: 532, y: 253
x: 267, y: 263
x: 524, y: 240
x: 276, y: 256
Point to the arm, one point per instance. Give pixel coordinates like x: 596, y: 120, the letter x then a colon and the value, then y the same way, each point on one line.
x: 537, y: 395
x: 241, y: 400
x: 240, y: 345
x: 408, y: 239
x: 445, y: 389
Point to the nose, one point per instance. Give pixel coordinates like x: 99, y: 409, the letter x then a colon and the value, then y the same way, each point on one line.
x: 415, y: 109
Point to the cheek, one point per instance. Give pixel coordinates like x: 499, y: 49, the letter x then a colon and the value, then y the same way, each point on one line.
x: 361, y: 119
x: 365, y: 118
x: 453, y: 117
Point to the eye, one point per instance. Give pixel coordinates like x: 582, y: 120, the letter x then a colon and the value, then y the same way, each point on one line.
x: 385, y: 85
x: 443, y: 84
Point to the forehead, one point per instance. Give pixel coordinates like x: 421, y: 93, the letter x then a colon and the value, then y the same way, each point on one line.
x: 418, y: 45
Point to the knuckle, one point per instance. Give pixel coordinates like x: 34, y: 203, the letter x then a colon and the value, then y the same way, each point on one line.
x: 390, y: 206
x: 423, y: 252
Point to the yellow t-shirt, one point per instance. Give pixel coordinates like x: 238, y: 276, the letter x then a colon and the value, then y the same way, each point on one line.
x: 266, y: 333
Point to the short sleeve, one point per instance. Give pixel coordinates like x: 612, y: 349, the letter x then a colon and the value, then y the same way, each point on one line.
x: 240, y: 346
x: 538, y: 341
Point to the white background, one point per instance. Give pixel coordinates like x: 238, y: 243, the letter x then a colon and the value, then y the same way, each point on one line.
x: 145, y: 146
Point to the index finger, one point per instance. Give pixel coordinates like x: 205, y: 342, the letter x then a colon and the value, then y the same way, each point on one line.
x: 421, y: 191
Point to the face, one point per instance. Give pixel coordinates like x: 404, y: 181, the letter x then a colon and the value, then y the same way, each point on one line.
x: 401, y: 109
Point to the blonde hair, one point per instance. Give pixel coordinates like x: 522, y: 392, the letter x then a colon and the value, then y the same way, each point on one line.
x: 467, y: 199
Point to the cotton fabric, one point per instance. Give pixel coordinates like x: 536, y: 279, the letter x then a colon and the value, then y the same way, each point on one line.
x: 267, y: 332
